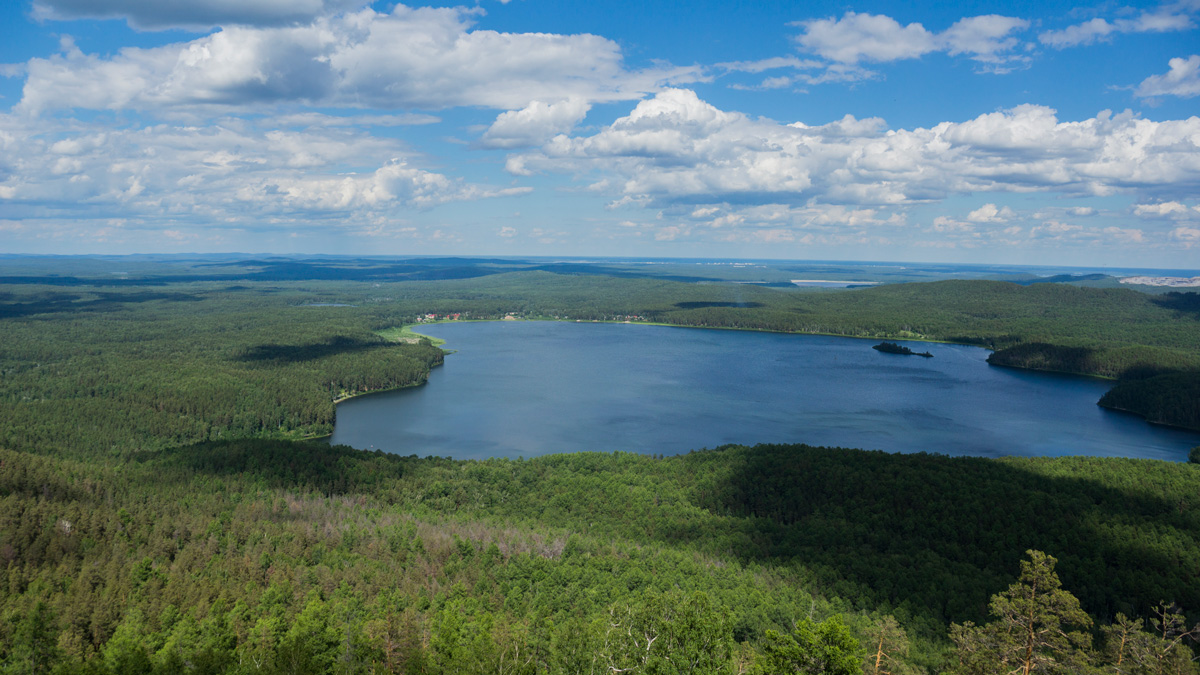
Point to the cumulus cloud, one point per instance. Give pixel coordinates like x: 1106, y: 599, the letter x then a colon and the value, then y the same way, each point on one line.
x: 865, y: 37
x: 535, y: 123
x: 856, y: 38
x: 1183, y: 80
x: 807, y: 224
x: 1170, y: 17
x: 1078, y: 34
x: 427, y: 58
x: 1170, y: 209
x: 232, y: 172
x: 1123, y: 235
x: 395, y: 183
x: 676, y: 148
x: 161, y: 14
x: 988, y: 213
x: 1188, y: 236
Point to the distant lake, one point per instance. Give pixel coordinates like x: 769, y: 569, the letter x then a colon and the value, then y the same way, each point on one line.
x: 528, y: 388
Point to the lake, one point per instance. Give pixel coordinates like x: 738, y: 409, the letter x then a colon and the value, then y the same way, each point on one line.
x: 528, y: 388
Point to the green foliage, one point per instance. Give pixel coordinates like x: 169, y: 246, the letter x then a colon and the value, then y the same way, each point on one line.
x: 1032, y: 632
x: 158, y: 515
x: 660, y: 633
x: 311, y: 643
x: 1172, y: 398
x: 155, y: 370
x: 886, y: 642
x: 1162, y: 650
x: 34, y: 642
x: 824, y: 648
x: 275, y: 553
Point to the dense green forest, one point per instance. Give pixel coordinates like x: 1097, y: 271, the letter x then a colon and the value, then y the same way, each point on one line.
x: 160, y: 510
x: 281, y: 556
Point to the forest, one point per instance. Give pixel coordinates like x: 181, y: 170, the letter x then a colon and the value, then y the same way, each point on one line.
x: 166, y: 505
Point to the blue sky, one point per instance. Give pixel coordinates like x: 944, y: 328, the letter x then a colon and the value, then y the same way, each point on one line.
x: 1006, y: 132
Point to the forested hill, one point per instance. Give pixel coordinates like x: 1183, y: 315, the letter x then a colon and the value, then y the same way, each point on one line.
x: 275, y: 556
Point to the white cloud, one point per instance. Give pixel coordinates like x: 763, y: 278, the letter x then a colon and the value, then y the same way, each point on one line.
x: 1079, y: 34
x: 1183, y: 80
x: 1189, y: 236
x: 395, y: 183
x: 427, y: 58
x: 1162, y: 210
x: 671, y: 232
x: 865, y: 37
x: 1056, y: 230
x: 780, y: 82
x: 535, y: 123
x: 507, y: 232
x: 313, y: 119
x: 945, y: 224
x: 773, y: 63
x: 232, y: 172
x: 676, y: 148
x: 1123, y: 235
x: 988, y: 213
x: 160, y: 14
x: 984, y: 37
x: 1170, y: 17
x: 873, y: 37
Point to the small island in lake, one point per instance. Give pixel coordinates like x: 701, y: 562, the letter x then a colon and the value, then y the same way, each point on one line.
x: 893, y: 348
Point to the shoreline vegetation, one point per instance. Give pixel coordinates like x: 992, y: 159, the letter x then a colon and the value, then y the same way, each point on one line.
x: 157, y: 513
x: 405, y: 334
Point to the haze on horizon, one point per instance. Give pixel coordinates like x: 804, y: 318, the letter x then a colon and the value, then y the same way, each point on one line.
x: 989, y: 132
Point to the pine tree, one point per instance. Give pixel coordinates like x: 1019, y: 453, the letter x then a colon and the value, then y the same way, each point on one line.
x: 887, y: 640
x: 1032, y: 632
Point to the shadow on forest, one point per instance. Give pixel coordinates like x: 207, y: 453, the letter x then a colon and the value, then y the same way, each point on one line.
x: 1184, y: 303
x: 73, y: 303
x: 329, y: 469
x: 939, y: 535
x: 305, y: 352
x: 929, y: 538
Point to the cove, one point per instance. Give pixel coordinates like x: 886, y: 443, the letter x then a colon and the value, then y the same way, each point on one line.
x: 529, y: 388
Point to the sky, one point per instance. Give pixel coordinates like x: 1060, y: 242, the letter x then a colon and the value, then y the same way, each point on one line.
x: 1020, y: 132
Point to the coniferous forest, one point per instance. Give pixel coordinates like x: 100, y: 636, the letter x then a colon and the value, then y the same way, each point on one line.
x: 167, y: 505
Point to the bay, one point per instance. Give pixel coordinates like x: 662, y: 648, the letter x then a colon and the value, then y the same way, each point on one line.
x: 528, y: 388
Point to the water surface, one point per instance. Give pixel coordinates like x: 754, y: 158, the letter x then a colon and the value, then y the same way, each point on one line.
x: 525, y: 388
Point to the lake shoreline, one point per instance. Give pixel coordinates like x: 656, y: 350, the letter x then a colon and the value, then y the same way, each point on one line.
x: 548, y: 388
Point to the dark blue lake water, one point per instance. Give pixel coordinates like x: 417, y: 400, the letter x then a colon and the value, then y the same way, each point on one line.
x: 520, y: 388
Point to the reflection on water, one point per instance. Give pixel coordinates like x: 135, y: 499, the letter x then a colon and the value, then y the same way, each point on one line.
x: 530, y: 388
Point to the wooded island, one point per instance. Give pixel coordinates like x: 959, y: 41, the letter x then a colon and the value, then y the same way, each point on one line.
x: 893, y: 348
